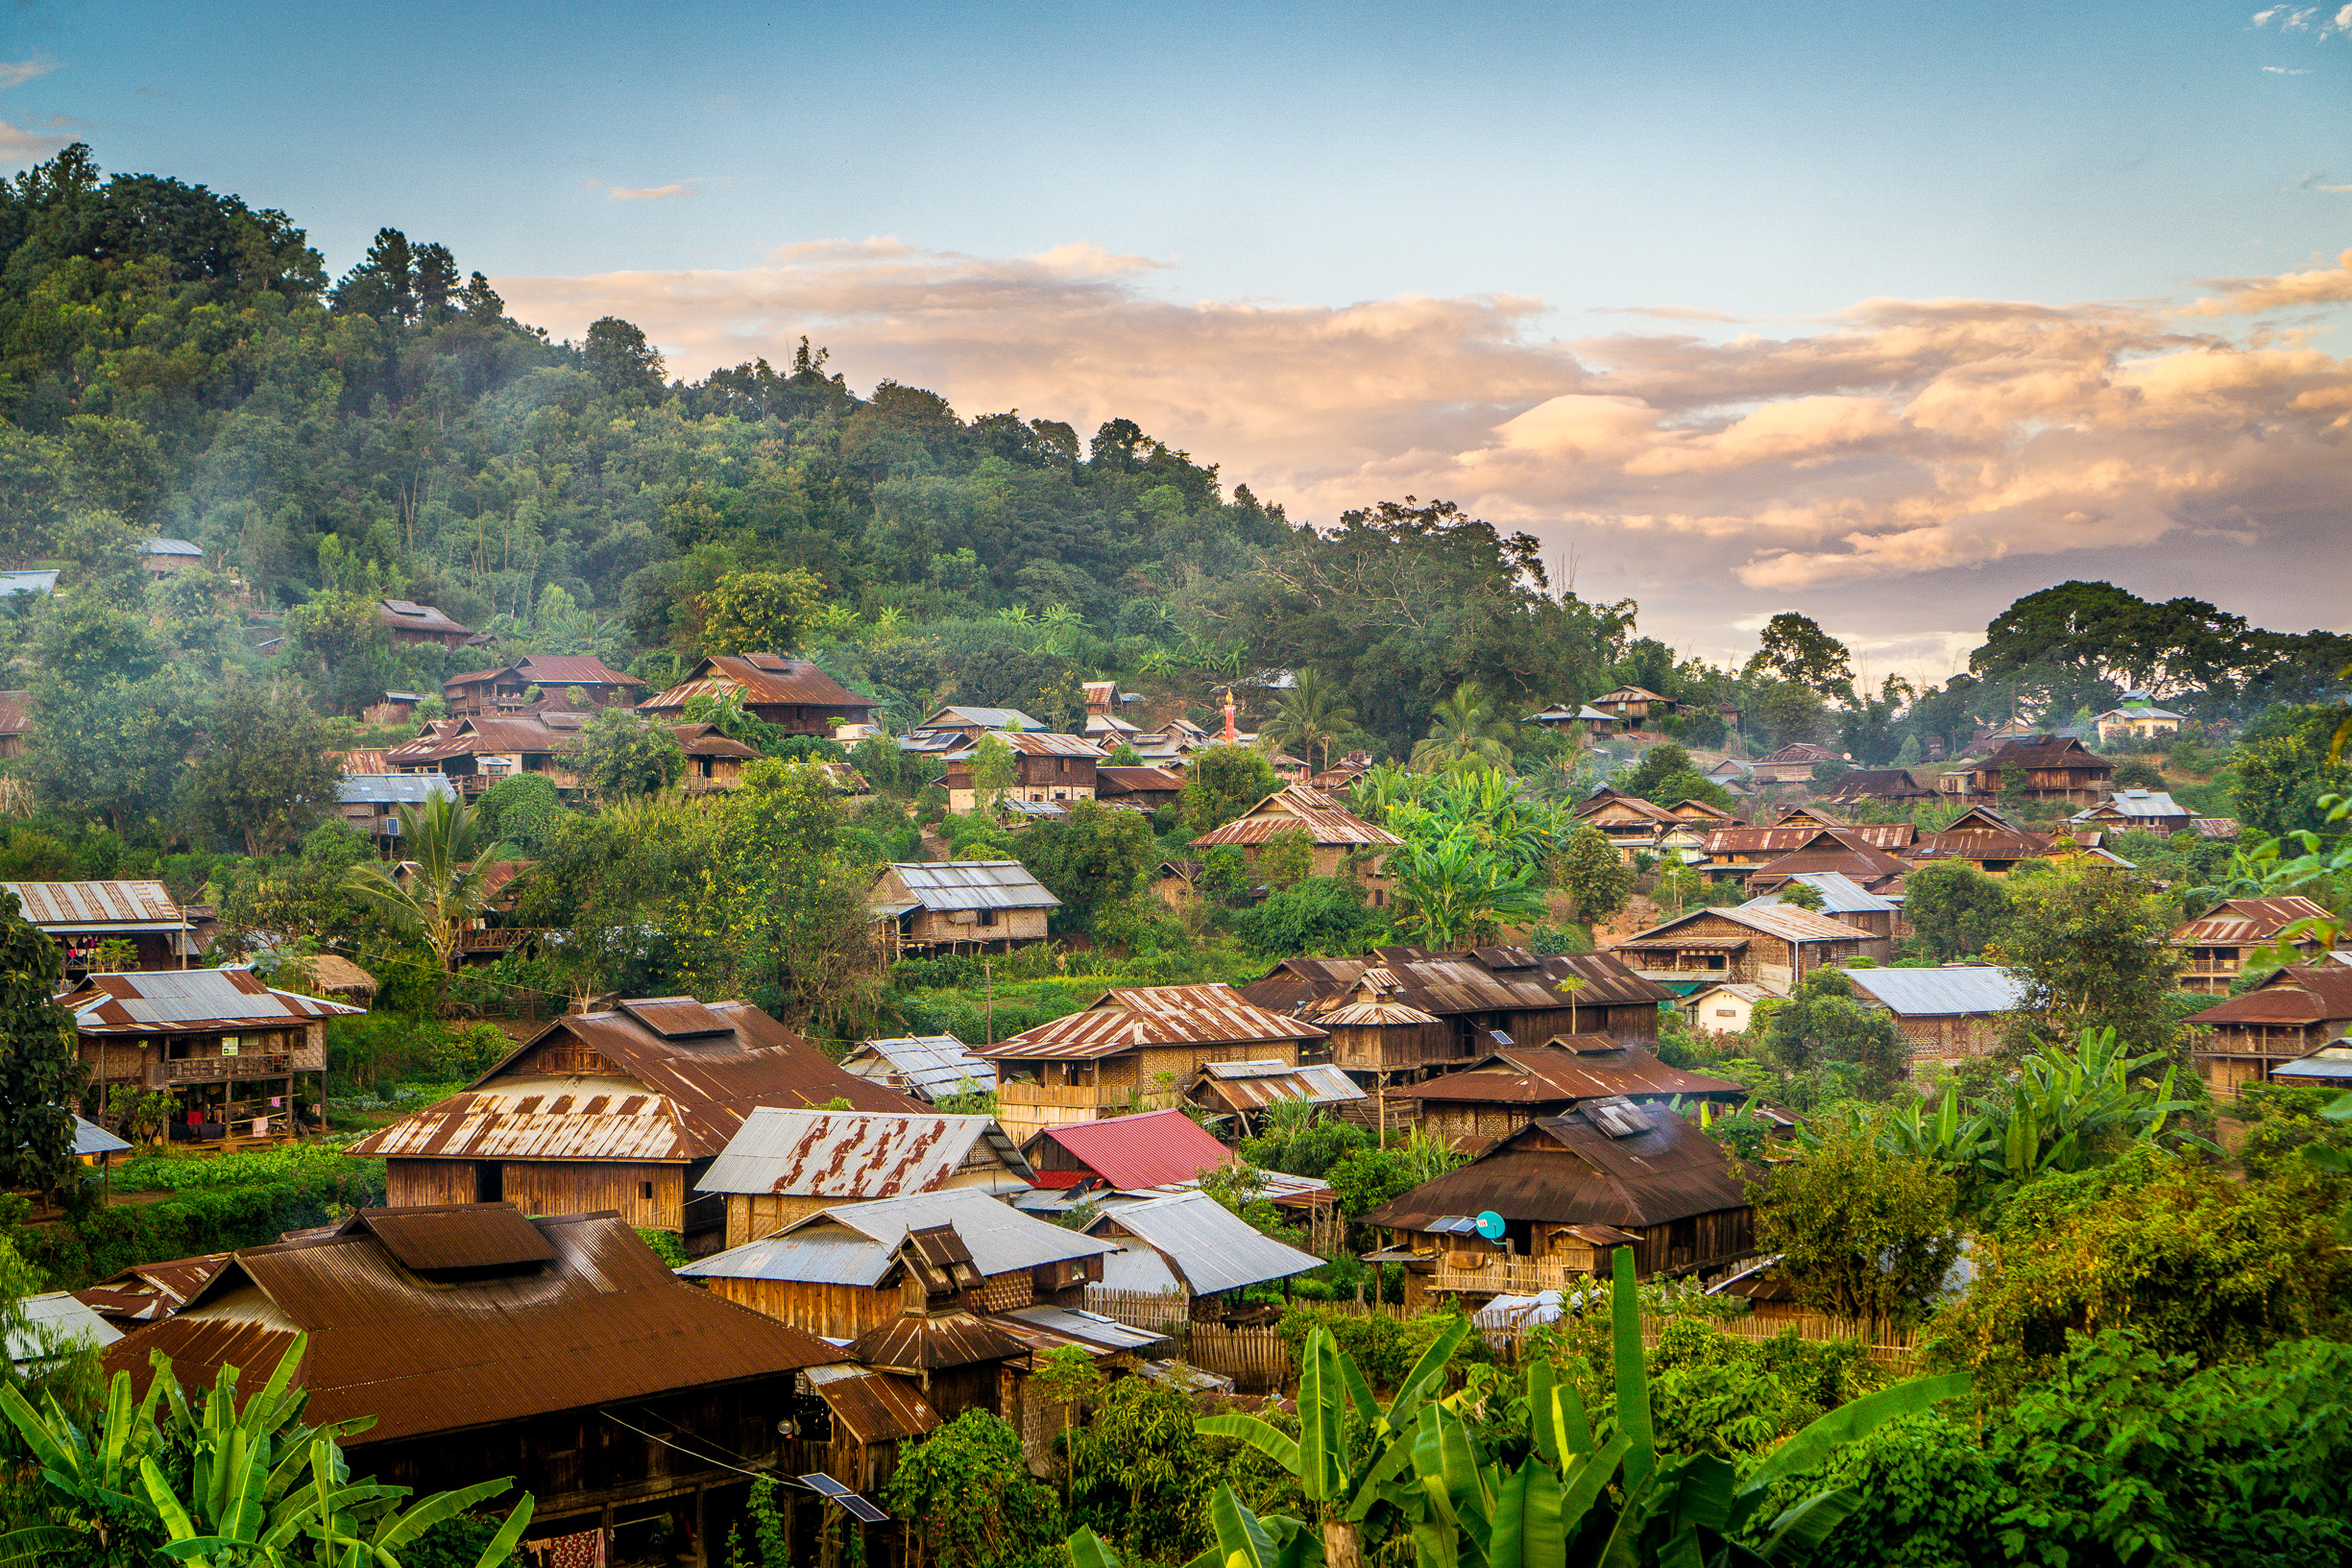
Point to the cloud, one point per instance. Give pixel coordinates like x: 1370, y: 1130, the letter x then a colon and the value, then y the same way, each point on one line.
x: 1900, y: 442
x: 17, y: 145
x: 16, y: 73
x: 646, y: 193
x: 2281, y: 70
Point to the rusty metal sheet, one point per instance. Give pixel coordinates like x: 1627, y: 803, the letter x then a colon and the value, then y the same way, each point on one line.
x: 1252, y: 1086
x: 1667, y: 1171
x: 852, y: 1154
x: 1450, y: 983
x: 103, y: 906
x: 1323, y: 817
x: 1784, y: 920
x: 200, y: 1001
x: 2238, y: 921
x: 1595, y: 1067
x: 2299, y: 994
x: 926, y: 1343
x: 764, y: 680
x: 872, y: 1406
x: 468, y: 1236
x: 677, y: 1018
x: 540, y: 1118
x: 603, y: 1322
x: 1131, y: 1017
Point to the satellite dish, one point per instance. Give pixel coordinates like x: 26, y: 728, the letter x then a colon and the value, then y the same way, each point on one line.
x: 1491, y: 1225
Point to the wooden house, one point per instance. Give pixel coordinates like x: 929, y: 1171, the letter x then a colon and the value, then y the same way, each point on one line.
x: 1631, y: 824
x: 1503, y: 1092
x: 1150, y: 788
x: 2134, y: 811
x: 715, y: 760
x: 1634, y: 709
x: 2290, y: 1015
x: 225, y: 1048
x: 2045, y: 767
x: 410, y: 623
x: 1889, y: 786
x: 1945, y: 1015
x: 783, y: 1164
x: 1047, y: 767
x: 371, y: 802
x: 1570, y: 1189
x: 556, y: 1350
x: 1191, y: 1247
x: 792, y: 694
x: 960, y: 905
x: 16, y: 722
x: 81, y: 917
x: 1124, y: 1153
x: 1836, y: 852
x: 162, y: 558
x: 971, y: 723
x: 1771, y: 945
x: 1340, y: 843
x: 148, y: 1293
x: 1733, y: 855
x: 1473, y: 996
x: 1984, y: 838
x: 1792, y: 763
x: 1103, y: 701
x: 623, y: 1110
x: 846, y: 1270
x: 596, y: 683
x: 2219, y: 942
x: 1133, y: 1049
x: 1846, y: 902
x: 477, y: 751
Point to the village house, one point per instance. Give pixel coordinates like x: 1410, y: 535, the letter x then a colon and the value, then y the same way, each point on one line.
x: 969, y: 724
x: 2290, y: 1015
x: 1239, y: 1095
x: 161, y: 558
x: 1133, y: 1049
x: 960, y: 905
x: 81, y: 917
x: 1570, y: 1189
x: 477, y: 751
x: 555, y: 674
x: 1150, y: 788
x: 2044, y: 767
x: 1339, y: 842
x: 16, y: 722
x: 2219, y: 942
x: 372, y: 801
x: 556, y: 1350
x: 1633, y: 709
x: 1792, y: 763
x: 1401, y: 1013
x: 715, y: 762
x: 783, y: 1164
x: 1985, y: 839
x: 1561, y: 716
x: 1191, y: 1247
x: 2136, y: 718
x: 411, y: 623
x: 1890, y: 786
x: 1733, y: 855
x: 1169, y: 745
x: 1132, y: 1159
x: 1047, y: 767
x: 1103, y: 700
x: 2141, y: 811
x: 623, y: 1110
x: 1501, y: 1093
x: 929, y: 1068
x: 1726, y: 1008
x: 224, y: 1048
x: 792, y: 694
x: 148, y: 1293
x: 1632, y: 824
x: 2330, y: 1067
x: 1843, y: 853
x: 1771, y: 945
x: 1848, y: 903
x: 1945, y: 1015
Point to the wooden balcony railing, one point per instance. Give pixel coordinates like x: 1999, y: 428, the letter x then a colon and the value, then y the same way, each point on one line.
x: 223, y: 1069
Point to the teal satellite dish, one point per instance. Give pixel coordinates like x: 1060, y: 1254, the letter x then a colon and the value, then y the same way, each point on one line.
x: 1491, y: 1225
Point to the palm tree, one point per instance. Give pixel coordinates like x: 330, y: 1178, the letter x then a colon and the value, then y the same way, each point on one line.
x: 1314, y: 713
x: 450, y: 886
x: 1464, y: 730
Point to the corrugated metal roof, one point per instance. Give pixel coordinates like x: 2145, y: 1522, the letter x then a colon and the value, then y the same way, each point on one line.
x: 972, y: 885
x: 1782, y: 919
x: 1841, y: 894
x: 1129, y: 1018
x: 670, y: 1098
x: 1665, y: 1170
x: 856, y: 1243
x: 1783, y: 839
x: 90, y: 1137
x: 1832, y: 851
x: 601, y: 1323
x: 1091, y: 1331
x: 1034, y: 743
x: 161, y: 1000
x: 57, y: 1324
x: 2297, y: 993
x: 1931, y: 993
x: 1209, y: 1247
x: 393, y: 789
x: 1458, y: 982
x: 415, y: 616
x: 1595, y: 1068
x: 924, y: 1342
x: 858, y: 1154
x: 765, y: 679
x: 480, y: 1235
x: 990, y: 718
x: 28, y: 582
x: 872, y: 1406
x: 1146, y: 1150
x: 148, y: 1293
x: 171, y: 547
x: 931, y: 1065
x: 2238, y: 922
x: 76, y: 907
x: 1320, y: 817
x: 1252, y: 1086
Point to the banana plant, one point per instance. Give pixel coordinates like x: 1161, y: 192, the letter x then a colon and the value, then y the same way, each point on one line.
x: 1337, y: 1417
x: 262, y: 1489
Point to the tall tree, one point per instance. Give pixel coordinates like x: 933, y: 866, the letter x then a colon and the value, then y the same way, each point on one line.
x: 41, y: 1063
x: 1793, y: 648
x: 1594, y: 874
x: 1314, y: 716
x: 1222, y: 782
x: 448, y: 884
x: 618, y: 754
x: 2090, y: 943
x: 1466, y: 731
x: 264, y: 775
x: 1864, y: 1233
x: 759, y: 611
x: 1093, y: 860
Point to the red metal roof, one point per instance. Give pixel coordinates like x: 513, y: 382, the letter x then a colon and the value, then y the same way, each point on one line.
x: 1137, y: 1152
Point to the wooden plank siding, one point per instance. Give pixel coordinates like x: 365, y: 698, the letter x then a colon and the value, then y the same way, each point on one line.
x: 831, y: 1312
x: 751, y: 1216
x: 585, y: 1186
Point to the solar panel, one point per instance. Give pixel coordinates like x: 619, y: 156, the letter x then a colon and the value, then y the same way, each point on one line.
x: 856, y: 1506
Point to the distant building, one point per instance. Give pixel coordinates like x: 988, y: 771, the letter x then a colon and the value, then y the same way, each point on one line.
x: 974, y: 906
x: 1792, y: 763
x: 81, y: 917
x: 792, y: 694
x: 165, y: 556
x: 925, y: 1067
x: 1725, y: 1008
x: 2137, y: 718
x: 411, y: 623
x: 1773, y: 945
x: 509, y: 686
x: 2293, y: 1013
x: 372, y: 801
x: 1946, y: 1015
x: 2218, y: 943
x: 1335, y: 837
x: 1496, y: 1095
x: 1047, y: 768
x: 1634, y: 708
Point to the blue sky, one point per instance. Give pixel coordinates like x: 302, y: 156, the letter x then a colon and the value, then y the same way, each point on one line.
x: 1770, y: 164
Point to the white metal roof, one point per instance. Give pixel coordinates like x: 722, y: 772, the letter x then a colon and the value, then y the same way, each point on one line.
x: 1956, y: 989
x: 393, y: 789
x: 1840, y: 894
x: 974, y: 885
x: 90, y: 1137
x: 1208, y: 1247
x: 853, y: 1243
x: 170, y: 546
x: 28, y: 582
x: 859, y: 1154
x: 932, y: 1064
x: 55, y: 1323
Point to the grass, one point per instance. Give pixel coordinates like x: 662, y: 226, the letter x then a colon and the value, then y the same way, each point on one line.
x: 176, y: 1172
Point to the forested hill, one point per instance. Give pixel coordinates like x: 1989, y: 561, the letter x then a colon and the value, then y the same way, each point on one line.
x: 176, y: 363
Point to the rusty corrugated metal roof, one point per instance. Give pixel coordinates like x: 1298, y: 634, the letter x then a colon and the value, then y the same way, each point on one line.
x: 91, y: 906
x: 478, y: 1236
x: 1252, y: 1086
x: 1667, y: 1169
x: 2297, y: 993
x: 670, y: 1099
x: 200, y: 1001
x: 1323, y: 818
x: 1785, y: 920
x: 1596, y: 1066
x: 859, y: 1154
x: 1504, y: 981
x: 602, y: 1322
x: 913, y: 1342
x: 148, y: 1293
x: 2240, y: 921
x: 1129, y: 1018
x: 764, y: 679
x: 872, y: 1406
x: 1786, y: 838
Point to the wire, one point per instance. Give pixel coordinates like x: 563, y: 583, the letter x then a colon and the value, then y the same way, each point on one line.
x: 756, y: 1475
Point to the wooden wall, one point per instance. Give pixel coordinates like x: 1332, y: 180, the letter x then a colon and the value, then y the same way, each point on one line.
x: 582, y: 1186
x: 833, y: 1311
x: 751, y: 1216
x: 419, y: 1184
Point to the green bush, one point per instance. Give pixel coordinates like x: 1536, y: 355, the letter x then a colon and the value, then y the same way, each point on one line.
x: 199, y: 1219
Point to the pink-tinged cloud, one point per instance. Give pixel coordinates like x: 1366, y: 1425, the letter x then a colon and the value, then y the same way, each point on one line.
x: 1901, y: 437
x: 648, y: 193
